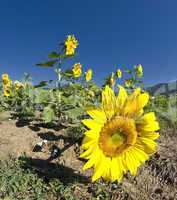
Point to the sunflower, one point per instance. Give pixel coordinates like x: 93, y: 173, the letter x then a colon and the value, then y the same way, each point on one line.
x: 77, y: 70
x: 5, y: 79
x: 7, y: 91
x: 71, y: 44
x: 88, y: 75
x: 119, y: 73
x: 120, y: 136
x: 139, y: 70
x: 18, y: 85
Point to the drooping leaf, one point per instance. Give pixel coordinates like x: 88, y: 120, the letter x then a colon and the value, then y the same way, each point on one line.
x: 48, y: 63
x: 54, y: 54
x: 41, y: 84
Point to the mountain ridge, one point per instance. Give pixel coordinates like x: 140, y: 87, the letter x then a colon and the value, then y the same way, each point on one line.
x: 168, y: 88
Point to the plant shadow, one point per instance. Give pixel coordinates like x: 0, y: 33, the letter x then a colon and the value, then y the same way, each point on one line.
x: 47, y: 171
x: 22, y: 122
x: 37, y: 126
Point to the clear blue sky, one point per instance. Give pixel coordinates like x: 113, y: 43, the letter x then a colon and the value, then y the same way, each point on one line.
x: 110, y: 33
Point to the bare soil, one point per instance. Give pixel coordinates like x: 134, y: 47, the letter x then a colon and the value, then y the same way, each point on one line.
x: 157, y: 179
x: 17, y: 139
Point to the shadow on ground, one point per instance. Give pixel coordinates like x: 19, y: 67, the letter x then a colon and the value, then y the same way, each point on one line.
x: 48, y: 170
x: 22, y: 122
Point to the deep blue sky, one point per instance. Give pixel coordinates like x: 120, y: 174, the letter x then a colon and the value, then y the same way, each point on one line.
x: 110, y: 33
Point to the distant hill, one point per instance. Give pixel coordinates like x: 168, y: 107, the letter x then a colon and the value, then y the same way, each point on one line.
x: 163, y: 88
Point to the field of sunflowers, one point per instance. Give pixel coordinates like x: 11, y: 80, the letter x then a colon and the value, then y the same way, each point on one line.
x: 73, y: 139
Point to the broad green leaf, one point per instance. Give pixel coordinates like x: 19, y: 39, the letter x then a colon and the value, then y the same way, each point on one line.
x: 74, y: 113
x: 42, y: 96
x: 48, y: 114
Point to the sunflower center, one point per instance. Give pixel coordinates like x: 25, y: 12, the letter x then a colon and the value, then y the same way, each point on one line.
x: 118, y: 138
x: 117, y: 135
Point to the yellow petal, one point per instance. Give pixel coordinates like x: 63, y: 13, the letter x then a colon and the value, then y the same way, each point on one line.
x: 139, y: 113
x: 116, y: 169
x: 142, y: 100
x: 86, y: 153
x: 92, y: 124
x: 92, y: 134
x: 135, y: 103
x: 93, y: 160
x: 136, y: 92
x: 147, y: 118
x: 149, y: 135
x: 108, y: 102
x: 87, y: 142
x: 131, y: 162
x: 89, y: 163
x: 98, y: 115
x: 139, y: 154
x: 99, y: 167
x: 131, y: 103
x: 147, y: 123
x: 149, y: 145
x: 151, y: 126
x: 107, y: 174
x: 121, y: 98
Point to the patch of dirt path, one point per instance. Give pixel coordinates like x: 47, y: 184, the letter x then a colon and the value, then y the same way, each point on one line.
x: 15, y: 141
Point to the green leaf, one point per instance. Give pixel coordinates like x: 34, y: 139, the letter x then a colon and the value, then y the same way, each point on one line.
x: 42, y: 96
x: 47, y: 64
x: 54, y: 54
x: 48, y: 114
x: 74, y: 113
x: 126, y: 70
x: 41, y: 84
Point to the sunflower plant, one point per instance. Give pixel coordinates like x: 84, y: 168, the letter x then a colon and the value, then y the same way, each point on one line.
x: 134, y: 78
x: 131, y: 78
x: 72, y: 91
x: 19, y: 97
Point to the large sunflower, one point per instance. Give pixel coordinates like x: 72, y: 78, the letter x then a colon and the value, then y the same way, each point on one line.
x: 120, y: 137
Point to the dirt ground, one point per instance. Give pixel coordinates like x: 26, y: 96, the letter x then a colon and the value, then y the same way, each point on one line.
x: 16, y: 139
x: 156, y: 180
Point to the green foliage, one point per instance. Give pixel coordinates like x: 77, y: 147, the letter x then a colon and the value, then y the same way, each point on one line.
x: 130, y: 75
x: 134, y: 78
x: 48, y: 114
x: 21, y: 100
x: 19, y: 183
x: 165, y: 109
x: 161, y: 102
